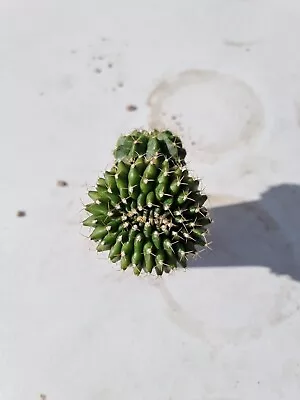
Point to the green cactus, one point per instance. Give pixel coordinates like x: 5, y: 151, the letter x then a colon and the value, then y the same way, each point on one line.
x: 147, y: 210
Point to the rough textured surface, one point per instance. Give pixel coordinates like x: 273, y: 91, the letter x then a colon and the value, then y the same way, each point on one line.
x: 75, y: 327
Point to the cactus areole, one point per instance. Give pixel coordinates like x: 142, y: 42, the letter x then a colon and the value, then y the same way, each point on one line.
x: 147, y: 210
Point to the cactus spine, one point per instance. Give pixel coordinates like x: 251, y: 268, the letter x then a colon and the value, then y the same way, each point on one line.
x: 147, y: 210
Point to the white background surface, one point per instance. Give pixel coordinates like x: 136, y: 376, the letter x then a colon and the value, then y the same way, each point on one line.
x: 73, y: 327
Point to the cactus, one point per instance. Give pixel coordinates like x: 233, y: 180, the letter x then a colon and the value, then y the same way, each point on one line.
x: 147, y: 210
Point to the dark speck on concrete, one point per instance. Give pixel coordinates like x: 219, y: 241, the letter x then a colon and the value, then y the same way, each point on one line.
x: 110, y: 65
x: 73, y: 51
x: 131, y: 107
x: 21, y: 213
x: 41, y: 93
x: 61, y: 183
x: 100, y: 58
x: 173, y: 117
x: 120, y: 84
x: 193, y: 143
x: 98, y: 70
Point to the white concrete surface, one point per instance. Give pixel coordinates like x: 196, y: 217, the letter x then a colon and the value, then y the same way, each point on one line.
x: 72, y: 327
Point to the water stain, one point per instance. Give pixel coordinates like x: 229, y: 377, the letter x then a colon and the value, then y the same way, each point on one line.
x: 220, y: 111
x: 236, y: 43
x: 218, y: 337
x: 215, y: 337
x: 269, y: 224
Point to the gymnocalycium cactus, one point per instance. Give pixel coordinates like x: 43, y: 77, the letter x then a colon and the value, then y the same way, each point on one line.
x: 147, y: 210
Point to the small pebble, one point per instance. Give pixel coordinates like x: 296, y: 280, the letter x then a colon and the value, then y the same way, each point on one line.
x: 61, y: 183
x: 21, y: 213
x: 131, y: 107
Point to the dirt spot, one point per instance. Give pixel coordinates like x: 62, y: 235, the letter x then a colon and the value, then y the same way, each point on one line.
x: 120, y: 84
x: 131, y: 108
x: 41, y: 94
x: 174, y: 117
x: 110, y: 65
x: 100, y: 58
x: 61, y: 183
x: 97, y: 70
x: 73, y: 51
x: 193, y: 143
x: 43, y: 397
x: 21, y: 213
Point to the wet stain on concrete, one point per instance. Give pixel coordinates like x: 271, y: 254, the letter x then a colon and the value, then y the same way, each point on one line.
x: 220, y: 111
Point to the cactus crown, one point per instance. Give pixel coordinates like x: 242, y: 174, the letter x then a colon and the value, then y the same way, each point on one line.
x: 147, y: 210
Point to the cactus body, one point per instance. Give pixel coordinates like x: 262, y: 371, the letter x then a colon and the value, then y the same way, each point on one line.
x: 147, y: 210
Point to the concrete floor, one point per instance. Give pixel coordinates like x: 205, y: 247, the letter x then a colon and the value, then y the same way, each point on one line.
x: 226, y: 74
